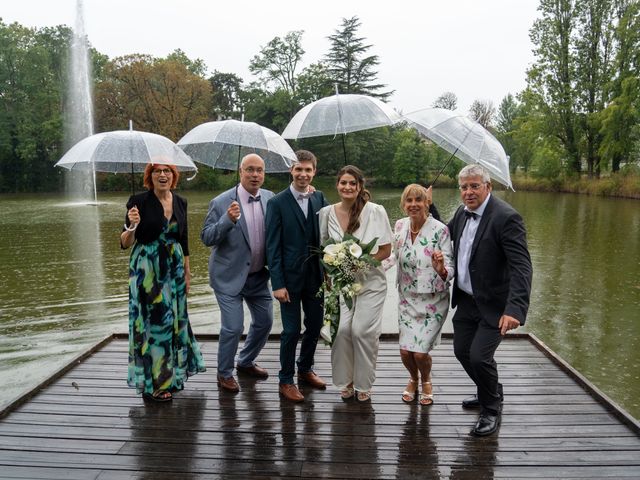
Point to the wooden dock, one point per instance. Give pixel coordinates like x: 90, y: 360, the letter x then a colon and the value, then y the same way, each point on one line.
x: 85, y: 423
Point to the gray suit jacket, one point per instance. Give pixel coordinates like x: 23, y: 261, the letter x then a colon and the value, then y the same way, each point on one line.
x: 230, y: 258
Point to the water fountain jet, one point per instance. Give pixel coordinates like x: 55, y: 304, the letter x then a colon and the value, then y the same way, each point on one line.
x: 81, y: 186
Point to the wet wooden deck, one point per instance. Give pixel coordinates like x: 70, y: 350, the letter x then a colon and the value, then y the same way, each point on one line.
x: 86, y: 424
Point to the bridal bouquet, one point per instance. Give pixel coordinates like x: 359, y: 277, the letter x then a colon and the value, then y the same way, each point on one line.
x: 344, y: 264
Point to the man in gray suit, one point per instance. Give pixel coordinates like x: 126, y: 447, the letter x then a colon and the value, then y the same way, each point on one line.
x: 235, y: 228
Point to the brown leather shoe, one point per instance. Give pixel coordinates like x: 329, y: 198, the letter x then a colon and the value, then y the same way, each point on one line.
x: 310, y: 378
x: 290, y: 392
x: 253, y: 371
x: 229, y: 384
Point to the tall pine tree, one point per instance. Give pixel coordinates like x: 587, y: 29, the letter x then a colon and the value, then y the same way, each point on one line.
x: 350, y: 66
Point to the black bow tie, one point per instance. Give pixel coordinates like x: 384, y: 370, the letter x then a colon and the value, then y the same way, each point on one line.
x: 470, y: 214
x: 254, y: 199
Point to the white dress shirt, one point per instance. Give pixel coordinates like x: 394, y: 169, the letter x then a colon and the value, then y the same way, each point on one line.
x: 466, y: 243
x: 302, y: 198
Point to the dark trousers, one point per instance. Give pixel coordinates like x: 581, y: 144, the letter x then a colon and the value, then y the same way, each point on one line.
x: 474, y: 343
x: 292, y: 324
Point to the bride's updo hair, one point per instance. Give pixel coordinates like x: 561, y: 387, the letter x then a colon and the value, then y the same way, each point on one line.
x: 363, y: 196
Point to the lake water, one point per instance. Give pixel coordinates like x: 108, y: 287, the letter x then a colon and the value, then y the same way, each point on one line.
x: 64, y: 282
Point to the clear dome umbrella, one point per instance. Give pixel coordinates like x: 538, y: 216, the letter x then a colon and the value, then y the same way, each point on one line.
x: 340, y: 114
x: 222, y: 144
x: 124, y: 151
x: 463, y: 138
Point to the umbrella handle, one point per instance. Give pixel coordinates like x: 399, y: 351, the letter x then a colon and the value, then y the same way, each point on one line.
x: 442, y: 169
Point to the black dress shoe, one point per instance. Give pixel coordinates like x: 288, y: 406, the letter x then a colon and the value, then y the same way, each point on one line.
x: 471, y: 402
x: 487, y: 425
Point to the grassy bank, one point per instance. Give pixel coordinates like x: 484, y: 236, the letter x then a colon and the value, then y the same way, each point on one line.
x: 621, y: 184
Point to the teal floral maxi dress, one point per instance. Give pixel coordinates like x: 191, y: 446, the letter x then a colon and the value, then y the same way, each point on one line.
x: 163, y: 351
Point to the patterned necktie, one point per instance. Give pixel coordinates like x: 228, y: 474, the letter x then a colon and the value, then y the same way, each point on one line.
x: 302, y: 196
x: 254, y: 199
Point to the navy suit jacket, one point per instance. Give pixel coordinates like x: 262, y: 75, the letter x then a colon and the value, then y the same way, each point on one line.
x: 287, y: 247
x: 500, y: 265
x: 230, y: 258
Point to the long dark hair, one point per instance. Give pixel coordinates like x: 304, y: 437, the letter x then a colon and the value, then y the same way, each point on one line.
x: 363, y: 196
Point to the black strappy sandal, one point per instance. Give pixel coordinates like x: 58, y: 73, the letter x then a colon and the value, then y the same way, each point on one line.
x: 158, y: 396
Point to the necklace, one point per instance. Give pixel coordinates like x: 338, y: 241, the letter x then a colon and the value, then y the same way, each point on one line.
x: 415, y: 232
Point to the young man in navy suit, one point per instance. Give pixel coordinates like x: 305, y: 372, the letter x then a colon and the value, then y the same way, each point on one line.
x: 491, y: 289
x: 293, y: 235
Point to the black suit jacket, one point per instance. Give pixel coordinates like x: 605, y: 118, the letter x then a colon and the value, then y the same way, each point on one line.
x: 152, y: 218
x: 287, y: 248
x: 500, y: 265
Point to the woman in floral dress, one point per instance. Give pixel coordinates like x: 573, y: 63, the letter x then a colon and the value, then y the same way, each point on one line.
x: 355, y: 349
x: 424, y: 258
x: 163, y: 351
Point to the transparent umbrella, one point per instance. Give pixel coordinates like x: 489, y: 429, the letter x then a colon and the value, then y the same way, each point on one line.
x: 223, y: 143
x: 124, y: 151
x: 340, y: 114
x: 463, y: 138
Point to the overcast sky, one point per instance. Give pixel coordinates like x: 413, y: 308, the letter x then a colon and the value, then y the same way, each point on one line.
x: 478, y: 49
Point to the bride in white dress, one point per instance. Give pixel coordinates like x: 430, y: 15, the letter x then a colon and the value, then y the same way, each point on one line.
x: 355, y: 348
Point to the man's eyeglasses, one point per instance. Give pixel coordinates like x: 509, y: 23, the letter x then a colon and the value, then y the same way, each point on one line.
x: 472, y: 186
x: 166, y: 171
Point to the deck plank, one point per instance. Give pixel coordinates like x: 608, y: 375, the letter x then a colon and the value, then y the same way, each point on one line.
x: 88, y: 424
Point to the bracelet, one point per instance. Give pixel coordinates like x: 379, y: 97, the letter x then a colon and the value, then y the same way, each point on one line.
x: 130, y: 229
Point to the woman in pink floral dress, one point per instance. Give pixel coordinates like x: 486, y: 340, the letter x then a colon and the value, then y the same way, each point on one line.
x: 424, y: 259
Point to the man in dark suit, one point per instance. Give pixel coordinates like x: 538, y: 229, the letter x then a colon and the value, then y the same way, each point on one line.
x: 491, y: 289
x: 292, y: 236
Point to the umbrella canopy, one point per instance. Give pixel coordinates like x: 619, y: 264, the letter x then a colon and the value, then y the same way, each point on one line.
x: 340, y: 114
x: 464, y: 138
x: 124, y: 151
x: 222, y: 144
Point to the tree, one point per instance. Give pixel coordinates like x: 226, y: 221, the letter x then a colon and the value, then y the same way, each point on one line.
x: 278, y: 61
x: 270, y: 109
x: 507, y: 114
x: 621, y: 124
x: 227, y: 94
x: 593, y: 72
x: 551, y: 78
x: 620, y: 119
x: 32, y: 79
x: 447, y: 100
x: 313, y: 84
x: 410, y: 159
x: 159, y: 95
x: 349, y: 65
x: 197, y: 66
x: 482, y: 111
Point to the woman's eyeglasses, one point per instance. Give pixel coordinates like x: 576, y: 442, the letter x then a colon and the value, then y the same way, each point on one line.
x: 166, y: 171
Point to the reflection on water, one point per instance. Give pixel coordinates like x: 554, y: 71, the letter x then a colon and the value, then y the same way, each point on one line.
x: 64, y: 282
x: 416, y: 450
